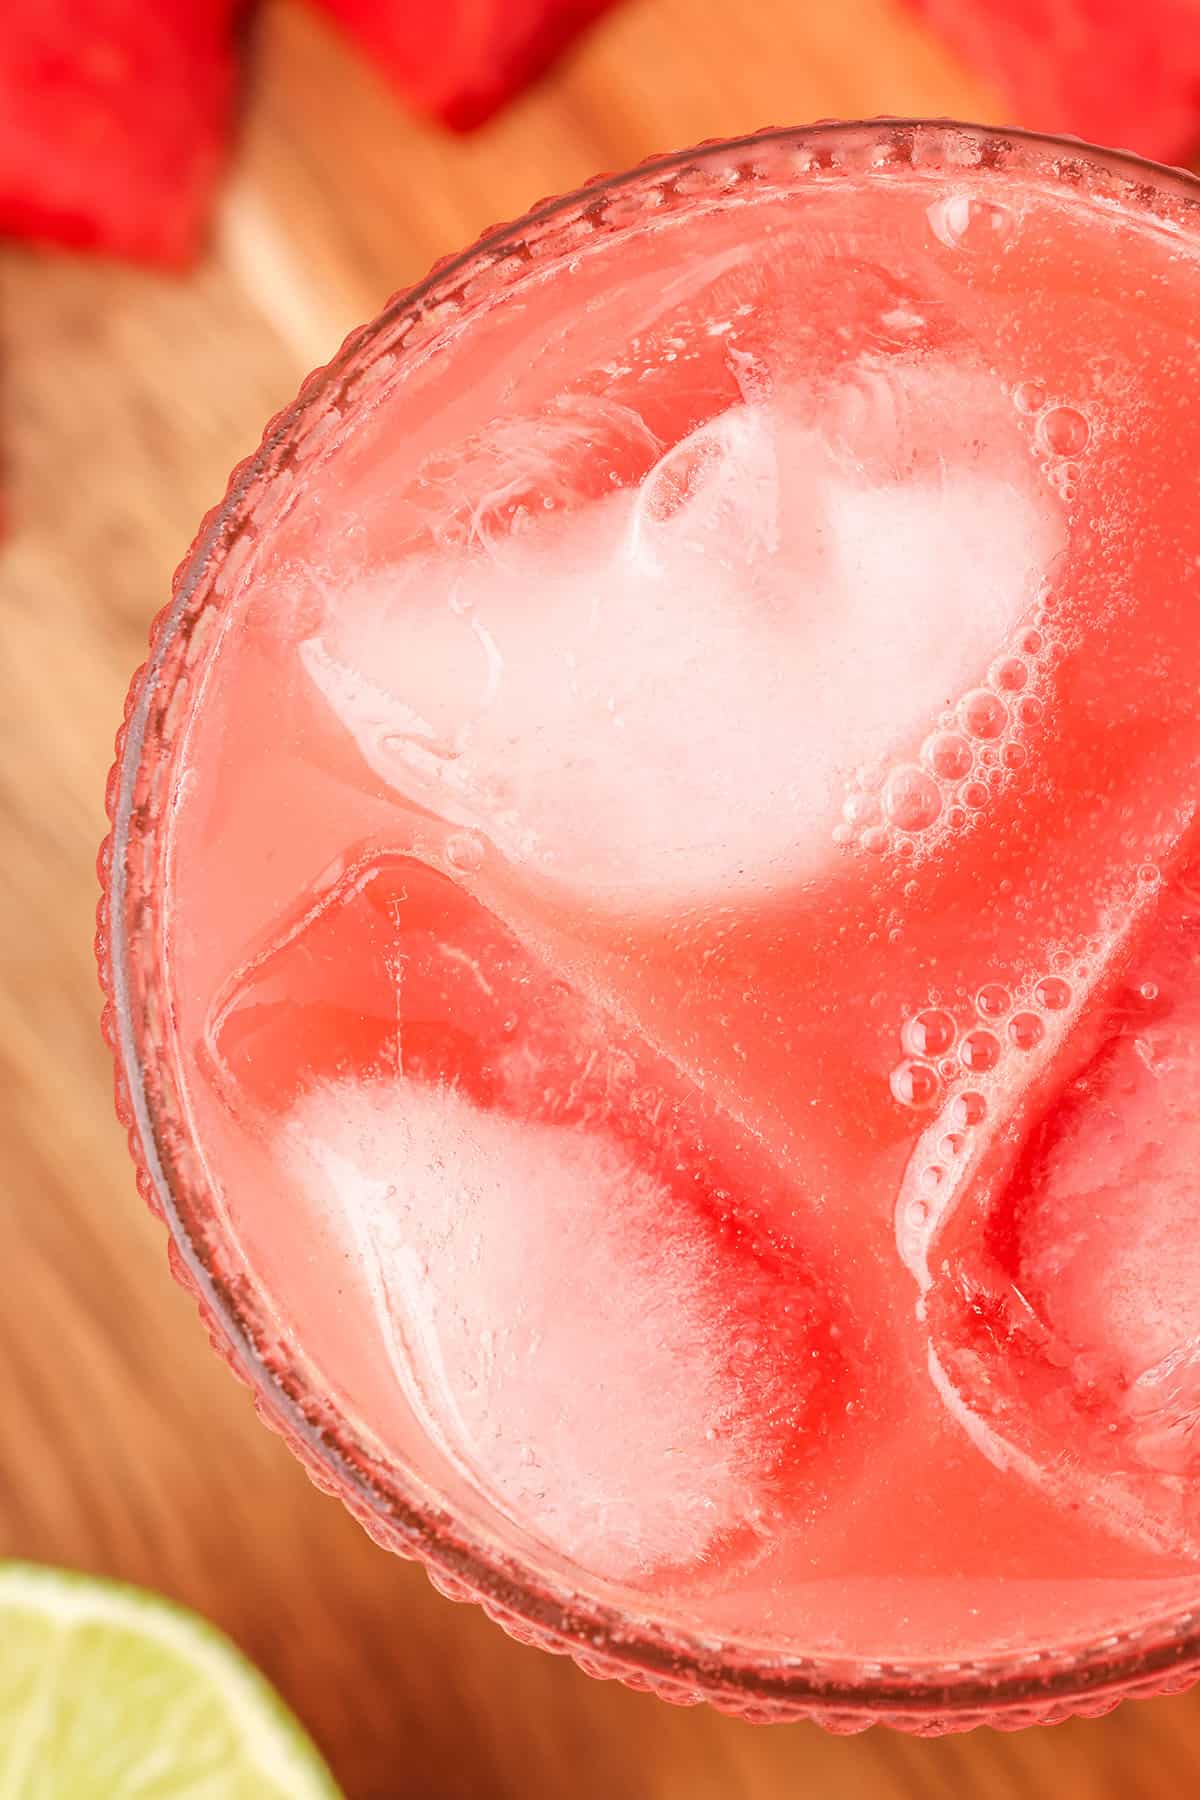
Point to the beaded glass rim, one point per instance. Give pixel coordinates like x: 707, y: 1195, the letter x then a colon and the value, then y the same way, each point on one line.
x: 843, y: 1692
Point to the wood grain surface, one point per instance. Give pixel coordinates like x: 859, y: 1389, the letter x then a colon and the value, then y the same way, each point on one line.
x: 124, y: 400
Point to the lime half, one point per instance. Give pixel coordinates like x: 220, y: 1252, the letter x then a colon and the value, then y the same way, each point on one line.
x: 108, y: 1693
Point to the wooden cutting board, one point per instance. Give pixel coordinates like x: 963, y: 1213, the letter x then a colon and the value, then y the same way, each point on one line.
x: 124, y: 400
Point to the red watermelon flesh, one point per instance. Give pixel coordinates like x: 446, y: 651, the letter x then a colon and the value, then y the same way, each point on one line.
x: 114, y: 117
x: 1124, y: 73
x: 461, y: 59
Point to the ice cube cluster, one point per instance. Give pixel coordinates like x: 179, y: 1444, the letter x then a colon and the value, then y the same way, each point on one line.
x: 665, y: 693
x: 805, y: 630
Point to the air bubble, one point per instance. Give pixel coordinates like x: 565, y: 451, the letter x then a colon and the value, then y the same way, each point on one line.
x: 932, y: 1177
x: 992, y: 1001
x: 1026, y: 1030
x: 1053, y: 993
x: 1148, y: 873
x: 1009, y: 674
x: 982, y: 714
x: 860, y: 809
x: 464, y: 851
x: 1149, y: 990
x: 1064, y: 431
x: 928, y: 1033
x: 948, y: 1068
x: 963, y: 223
x: 914, y: 1084
x: 1030, y: 709
x: 953, y: 1144
x: 970, y: 1108
x: 980, y: 1051
x: 1015, y: 756
x: 975, y: 795
x: 875, y: 840
x: 956, y: 818
x: 1029, y: 396
x: 1032, y: 642
x: 917, y: 1212
x: 911, y: 799
x: 948, y: 755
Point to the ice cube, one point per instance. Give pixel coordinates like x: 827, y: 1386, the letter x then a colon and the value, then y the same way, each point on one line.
x: 390, y: 968
x: 387, y: 968
x: 576, y: 449
x: 1108, y: 1215
x: 661, y: 694
x: 521, y: 1182
x: 576, y: 1336
x: 1064, y: 1309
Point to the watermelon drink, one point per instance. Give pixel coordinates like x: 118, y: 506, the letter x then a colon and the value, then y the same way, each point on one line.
x: 653, y: 919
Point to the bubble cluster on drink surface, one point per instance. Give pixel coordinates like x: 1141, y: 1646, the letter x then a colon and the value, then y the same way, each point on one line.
x: 968, y: 224
x: 964, y: 1058
x: 978, y: 746
x: 975, y: 749
x: 964, y: 1054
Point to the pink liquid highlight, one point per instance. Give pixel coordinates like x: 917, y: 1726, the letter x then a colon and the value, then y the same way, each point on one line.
x: 683, y: 917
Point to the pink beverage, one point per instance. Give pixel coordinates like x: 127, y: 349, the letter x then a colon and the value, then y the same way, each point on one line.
x: 655, y: 921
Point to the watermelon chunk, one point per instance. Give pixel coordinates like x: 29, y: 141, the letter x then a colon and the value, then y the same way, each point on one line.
x: 1111, y: 71
x: 114, y: 117
x: 459, y: 60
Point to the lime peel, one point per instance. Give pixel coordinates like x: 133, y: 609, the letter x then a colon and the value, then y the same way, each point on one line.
x: 74, y: 1648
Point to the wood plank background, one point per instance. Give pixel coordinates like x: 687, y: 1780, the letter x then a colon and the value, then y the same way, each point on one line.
x: 124, y: 401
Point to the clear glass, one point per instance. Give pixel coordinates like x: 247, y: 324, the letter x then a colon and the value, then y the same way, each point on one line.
x: 393, y: 1503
